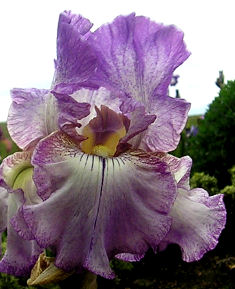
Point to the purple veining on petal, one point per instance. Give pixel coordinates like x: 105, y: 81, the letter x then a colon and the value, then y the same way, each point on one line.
x: 70, y: 111
x: 75, y: 58
x: 137, y: 57
x: 197, y: 218
x: 96, y: 98
x: 70, y: 88
x: 3, y: 211
x: 3, y: 208
x: 21, y: 254
x: 202, y: 218
x: 22, y: 251
x: 110, y: 206
x: 129, y: 257
x: 164, y: 134
x: 32, y: 116
x: 180, y: 167
x: 139, y: 122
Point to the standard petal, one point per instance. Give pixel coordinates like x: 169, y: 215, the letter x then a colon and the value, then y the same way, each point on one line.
x: 137, y: 57
x: 32, y: 116
x: 164, y: 134
x: 110, y: 205
x: 75, y: 59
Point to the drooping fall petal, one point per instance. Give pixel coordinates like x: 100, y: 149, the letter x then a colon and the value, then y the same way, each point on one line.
x: 98, y: 195
x: 197, y: 218
x: 3, y: 211
x: 21, y: 254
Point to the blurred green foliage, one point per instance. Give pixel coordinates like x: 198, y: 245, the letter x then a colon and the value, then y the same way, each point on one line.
x: 7, y: 146
x: 230, y: 189
x: 212, y: 149
x: 183, y: 147
x: 205, y: 181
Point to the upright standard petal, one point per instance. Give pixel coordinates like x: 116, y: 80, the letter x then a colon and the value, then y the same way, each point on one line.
x: 197, y: 218
x: 21, y: 254
x: 75, y: 59
x: 32, y: 116
x: 110, y: 205
x: 137, y: 57
x: 164, y: 134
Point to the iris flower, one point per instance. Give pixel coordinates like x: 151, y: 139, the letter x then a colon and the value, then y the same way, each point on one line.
x: 95, y: 180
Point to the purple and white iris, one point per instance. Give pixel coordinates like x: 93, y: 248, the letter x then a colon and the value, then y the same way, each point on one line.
x: 94, y: 180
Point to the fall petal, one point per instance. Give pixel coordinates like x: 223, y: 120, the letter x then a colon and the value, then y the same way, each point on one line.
x: 110, y: 206
x: 197, y: 223
x: 21, y: 254
x: 197, y: 218
x: 3, y: 212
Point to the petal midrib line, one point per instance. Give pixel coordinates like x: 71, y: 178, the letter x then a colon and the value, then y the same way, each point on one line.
x: 103, y: 160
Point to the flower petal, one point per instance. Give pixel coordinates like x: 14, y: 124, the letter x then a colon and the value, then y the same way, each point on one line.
x: 97, y: 98
x: 21, y: 254
x: 180, y: 167
x: 13, y: 165
x: 3, y: 208
x: 32, y: 116
x: 75, y: 59
x: 197, y: 222
x: 137, y: 56
x: 164, y: 134
x: 139, y: 122
x: 197, y: 218
x: 3, y: 211
x: 70, y: 111
x: 110, y: 205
